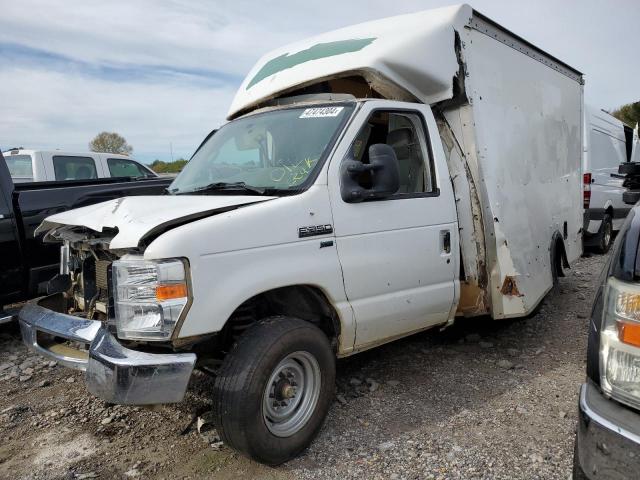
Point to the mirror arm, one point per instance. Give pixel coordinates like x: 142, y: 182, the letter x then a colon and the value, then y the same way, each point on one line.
x: 357, y: 168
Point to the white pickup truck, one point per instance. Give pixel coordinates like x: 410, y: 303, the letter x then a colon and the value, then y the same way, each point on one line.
x: 373, y: 182
x: 53, y: 165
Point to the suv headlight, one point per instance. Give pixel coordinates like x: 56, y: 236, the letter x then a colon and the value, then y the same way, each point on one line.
x: 149, y: 297
x: 620, y: 342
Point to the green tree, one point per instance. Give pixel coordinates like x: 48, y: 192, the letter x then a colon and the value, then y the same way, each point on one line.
x: 176, y: 166
x: 110, y: 142
x: 629, y: 113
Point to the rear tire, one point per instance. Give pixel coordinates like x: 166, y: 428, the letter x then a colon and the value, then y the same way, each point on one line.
x: 629, y: 168
x: 605, y: 235
x: 631, y: 197
x: 274, y: 389
x: 556, y: 264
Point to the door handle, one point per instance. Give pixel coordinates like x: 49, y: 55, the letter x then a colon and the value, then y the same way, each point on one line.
x: 445, y: 241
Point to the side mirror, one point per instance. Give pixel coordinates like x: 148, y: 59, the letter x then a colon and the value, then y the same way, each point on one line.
x: 382, y: 174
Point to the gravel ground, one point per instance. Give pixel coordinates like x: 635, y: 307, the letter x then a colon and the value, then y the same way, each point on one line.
x: 483, y: 399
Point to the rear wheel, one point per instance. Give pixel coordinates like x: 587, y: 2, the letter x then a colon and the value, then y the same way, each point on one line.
x: 629, y: 168
x: 274, y: 389
x: 556, y: 262
x: 631, y: 197
x: 606, y: 234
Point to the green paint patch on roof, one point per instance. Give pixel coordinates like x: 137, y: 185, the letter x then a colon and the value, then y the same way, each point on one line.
x: 320, y: 50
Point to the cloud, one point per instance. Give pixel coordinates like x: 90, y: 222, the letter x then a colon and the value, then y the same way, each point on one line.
x: 50, y: 109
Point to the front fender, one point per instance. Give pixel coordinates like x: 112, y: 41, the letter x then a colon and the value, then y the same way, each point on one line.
x: 237, y: 255
x: 222, y: 282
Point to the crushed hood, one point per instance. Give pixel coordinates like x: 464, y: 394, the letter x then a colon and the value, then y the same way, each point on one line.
x: 138, y: 217
x: 411, y: 53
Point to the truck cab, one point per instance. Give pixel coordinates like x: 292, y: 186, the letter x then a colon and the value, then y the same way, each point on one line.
x: 27, y: 165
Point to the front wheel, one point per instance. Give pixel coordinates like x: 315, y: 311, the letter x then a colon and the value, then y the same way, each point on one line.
x: 274, y: 389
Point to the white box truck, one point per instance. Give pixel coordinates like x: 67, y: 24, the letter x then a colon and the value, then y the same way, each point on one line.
x: 373, y: 182
x: 607, y: 144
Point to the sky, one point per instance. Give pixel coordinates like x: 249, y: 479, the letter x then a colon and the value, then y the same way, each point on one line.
x: 163, y: 74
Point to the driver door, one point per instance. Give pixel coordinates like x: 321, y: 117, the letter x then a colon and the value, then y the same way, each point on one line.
x: 398, y: 254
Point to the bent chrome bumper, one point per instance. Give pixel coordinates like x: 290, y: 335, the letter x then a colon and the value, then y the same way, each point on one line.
x: 113, y: 372
x: 608, y: 443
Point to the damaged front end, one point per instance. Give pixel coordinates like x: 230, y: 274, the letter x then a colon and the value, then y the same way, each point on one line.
x: 78, y: 324
x: 85, y: 271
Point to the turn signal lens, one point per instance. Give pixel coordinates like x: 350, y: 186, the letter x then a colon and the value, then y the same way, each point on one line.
x: 171, y: 291
x: 620, y: 342
x: 149, y: 297
x: 629, y: 333
x: 628, y: 305
x: 586, y: 190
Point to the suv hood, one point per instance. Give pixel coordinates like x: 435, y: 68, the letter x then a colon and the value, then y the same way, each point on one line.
x: 137, y: 218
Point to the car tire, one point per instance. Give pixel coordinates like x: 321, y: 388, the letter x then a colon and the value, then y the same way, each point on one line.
x: 629, y: 168
x: 577, y: 473
x: 605, y: 236
x: 274, y: 389
x: 631, y: 197
x: 556, y: 265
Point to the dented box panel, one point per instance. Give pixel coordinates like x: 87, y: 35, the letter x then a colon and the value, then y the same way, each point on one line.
x: 525, y: 128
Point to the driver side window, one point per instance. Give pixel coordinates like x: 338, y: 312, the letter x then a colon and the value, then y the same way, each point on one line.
x: 404, y: 133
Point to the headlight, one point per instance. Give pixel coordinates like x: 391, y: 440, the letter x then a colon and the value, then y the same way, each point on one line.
x: 620, y: 342
x: 149, y: 297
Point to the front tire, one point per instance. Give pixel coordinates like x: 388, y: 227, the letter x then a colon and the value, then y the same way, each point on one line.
x: 274, y: 389
x: 606, y: 234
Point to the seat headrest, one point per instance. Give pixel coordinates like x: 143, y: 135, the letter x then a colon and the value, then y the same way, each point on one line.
x: 83, y: 173
x: 401, y: 140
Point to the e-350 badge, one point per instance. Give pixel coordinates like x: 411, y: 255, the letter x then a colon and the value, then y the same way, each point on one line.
x: 315, y: 230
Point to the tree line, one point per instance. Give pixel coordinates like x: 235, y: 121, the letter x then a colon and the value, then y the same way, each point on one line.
x: 112, y: 142
x: 629, y: 113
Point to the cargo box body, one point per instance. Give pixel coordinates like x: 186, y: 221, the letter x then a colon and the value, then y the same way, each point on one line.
x: 510, y: 120
x: 520, y: 132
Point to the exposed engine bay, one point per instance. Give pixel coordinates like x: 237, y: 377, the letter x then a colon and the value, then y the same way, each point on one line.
x: 85, y: 270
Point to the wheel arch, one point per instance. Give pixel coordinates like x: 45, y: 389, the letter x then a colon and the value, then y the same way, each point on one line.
x: 558, y: 254
x: 304, y: 301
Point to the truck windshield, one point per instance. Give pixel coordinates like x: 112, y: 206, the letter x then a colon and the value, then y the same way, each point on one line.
x: 20, y: 167
x: 274, y: 152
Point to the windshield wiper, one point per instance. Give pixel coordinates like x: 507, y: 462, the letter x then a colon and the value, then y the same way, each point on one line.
x: 222, y: 186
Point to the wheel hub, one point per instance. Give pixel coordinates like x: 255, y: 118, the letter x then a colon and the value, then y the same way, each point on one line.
x: 288, y: 391
x: 291, y: 394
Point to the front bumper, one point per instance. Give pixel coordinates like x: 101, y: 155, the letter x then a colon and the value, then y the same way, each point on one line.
x: 608, y: 443
x: 112, y: 372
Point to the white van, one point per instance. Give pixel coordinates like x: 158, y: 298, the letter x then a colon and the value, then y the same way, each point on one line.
x: 43, y: 165
x: 372, y: 182
x: 606, y: 146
